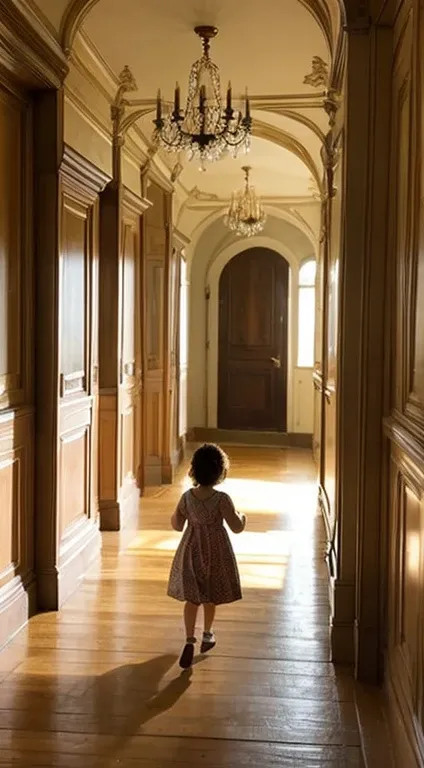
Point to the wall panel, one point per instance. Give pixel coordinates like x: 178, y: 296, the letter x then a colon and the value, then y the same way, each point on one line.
x: 156, y: 294
x: 67, y: 355
x: 405, y: 426
x: 17, y: 583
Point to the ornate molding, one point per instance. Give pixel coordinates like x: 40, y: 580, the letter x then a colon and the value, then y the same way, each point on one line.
x: 81, y: 176
x: 27, y: 49
x: 318, y: 77
x: 198, y: 194
x: 72, y: 20
x: 286, y: 140
x: 330, y: 154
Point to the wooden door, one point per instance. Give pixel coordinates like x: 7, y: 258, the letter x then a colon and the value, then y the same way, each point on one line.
x: 253, y: 303
x: 130, y: 346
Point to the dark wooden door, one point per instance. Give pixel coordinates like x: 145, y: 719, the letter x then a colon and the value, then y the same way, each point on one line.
x: 253, y: 301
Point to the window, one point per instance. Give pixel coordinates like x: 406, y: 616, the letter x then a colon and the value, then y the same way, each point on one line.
x: 306, y: 318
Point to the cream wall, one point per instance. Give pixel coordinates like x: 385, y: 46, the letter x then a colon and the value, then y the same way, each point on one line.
x: 214, y: 249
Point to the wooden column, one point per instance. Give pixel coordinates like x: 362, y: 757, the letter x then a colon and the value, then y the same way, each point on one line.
x: 120, y: 352
x: 157, y: 248
x: 356, y: 627
x: 66, y: 194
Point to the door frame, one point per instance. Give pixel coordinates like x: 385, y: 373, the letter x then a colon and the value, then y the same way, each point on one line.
x: 212, y: 323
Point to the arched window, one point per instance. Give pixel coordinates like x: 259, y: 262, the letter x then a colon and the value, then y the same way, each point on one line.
x: 306, y: 318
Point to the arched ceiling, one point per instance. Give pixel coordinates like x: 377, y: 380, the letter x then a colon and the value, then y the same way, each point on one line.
x: 267, y: 47
x: 276, y: 172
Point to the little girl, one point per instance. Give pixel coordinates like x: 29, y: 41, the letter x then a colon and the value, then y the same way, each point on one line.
x: 204, y: 571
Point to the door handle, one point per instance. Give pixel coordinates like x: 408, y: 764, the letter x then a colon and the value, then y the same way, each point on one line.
x: 276, y: 361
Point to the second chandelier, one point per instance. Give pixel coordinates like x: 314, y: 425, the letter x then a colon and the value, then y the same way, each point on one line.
x: 245, y: 215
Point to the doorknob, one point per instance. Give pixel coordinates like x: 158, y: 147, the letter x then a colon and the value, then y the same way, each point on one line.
x: 276, y: 361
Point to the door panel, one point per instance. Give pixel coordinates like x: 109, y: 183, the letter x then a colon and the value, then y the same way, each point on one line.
x: 253, y: 302
x: 130, y: 326
x: 17, y: 584
x: 78, y: 401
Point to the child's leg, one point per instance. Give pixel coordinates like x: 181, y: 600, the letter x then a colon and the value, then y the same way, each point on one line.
x: 208, y: 641
x: 190, y: 615
x: 209, y: 611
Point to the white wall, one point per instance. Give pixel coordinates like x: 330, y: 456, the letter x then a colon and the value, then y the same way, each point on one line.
x: 214, y: 249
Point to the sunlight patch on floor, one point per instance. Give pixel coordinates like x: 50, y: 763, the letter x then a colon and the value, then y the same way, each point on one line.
x: 266, y: 496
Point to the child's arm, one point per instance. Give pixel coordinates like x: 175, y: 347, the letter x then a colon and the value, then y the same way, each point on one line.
x: 179, y: 517
x: 236, y: 522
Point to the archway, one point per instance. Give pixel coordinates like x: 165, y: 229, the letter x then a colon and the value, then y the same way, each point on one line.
x: 253, y: 342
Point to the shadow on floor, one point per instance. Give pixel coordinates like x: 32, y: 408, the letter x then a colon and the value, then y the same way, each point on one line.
x: 116, y: 704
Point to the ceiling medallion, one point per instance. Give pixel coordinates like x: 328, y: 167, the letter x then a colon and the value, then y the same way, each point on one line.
x: 204, y: 129
x: 245, y: 215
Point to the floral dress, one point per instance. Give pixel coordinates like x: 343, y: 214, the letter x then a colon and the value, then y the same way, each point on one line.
x: 204, y: 569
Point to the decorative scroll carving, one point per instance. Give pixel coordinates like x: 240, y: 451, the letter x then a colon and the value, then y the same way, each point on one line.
x: 318, y: 78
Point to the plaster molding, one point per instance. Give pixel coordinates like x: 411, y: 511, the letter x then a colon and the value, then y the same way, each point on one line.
x: 319, y: 76
x: 287, y: 214
x: 72, y: 20
x: 78, y: 10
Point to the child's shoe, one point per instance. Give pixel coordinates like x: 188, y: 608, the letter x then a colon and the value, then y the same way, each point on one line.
x: 186, y: 658
x: 208, y: 642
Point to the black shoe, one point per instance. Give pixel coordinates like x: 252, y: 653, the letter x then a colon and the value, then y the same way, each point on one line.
x: 186, y: 658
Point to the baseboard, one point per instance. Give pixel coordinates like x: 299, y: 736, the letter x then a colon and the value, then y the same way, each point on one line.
x: 56, y: 584
x: 114, y: 515
x: 342, y: 607
x: 75, y: 563
x: 167, y: 473
x: 249, y: 437
x: 18, y: 602
x: 408, y: 748
x: 372, y: 714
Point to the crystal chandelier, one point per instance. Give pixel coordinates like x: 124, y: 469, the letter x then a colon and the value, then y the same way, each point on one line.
x: 245, y: 215
x: 204, y: 130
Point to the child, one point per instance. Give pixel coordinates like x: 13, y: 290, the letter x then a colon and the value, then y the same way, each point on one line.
x: 204, y: 571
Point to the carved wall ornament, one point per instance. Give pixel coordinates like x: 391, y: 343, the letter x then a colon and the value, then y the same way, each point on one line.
x: 331, y: 105
x: 330, y: 154
x: 198, y: 194
x: 318, y: 78
x: 176, y: 171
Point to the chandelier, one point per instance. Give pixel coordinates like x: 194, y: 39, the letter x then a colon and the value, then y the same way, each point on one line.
x: 245, y: 215
x: 204, y: 129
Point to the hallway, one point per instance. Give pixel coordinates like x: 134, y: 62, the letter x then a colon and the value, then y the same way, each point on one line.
x: 96, y: 685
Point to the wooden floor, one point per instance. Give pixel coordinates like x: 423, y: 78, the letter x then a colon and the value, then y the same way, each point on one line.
x: 97, y: 685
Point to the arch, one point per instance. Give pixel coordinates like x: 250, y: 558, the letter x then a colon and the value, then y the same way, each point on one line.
x: 278, y: 213
x: 213, y: 276
x: 72, y: 21
x: 77, y: 11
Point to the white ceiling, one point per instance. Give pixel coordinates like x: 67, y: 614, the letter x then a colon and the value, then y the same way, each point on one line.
x: 267, y: 46
x: 276, y: 172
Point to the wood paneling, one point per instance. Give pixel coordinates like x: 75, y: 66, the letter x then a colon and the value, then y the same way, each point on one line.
x: 157, y: 406
x: 67, y: 403
x: 405, y: 427
x: 17, y: 585
x: 121, y: 366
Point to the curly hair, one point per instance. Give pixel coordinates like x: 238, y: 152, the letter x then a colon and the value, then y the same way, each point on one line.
x: 209, y: 465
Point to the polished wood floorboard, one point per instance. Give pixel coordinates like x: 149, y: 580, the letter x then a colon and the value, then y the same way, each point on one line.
x: 98, y: 686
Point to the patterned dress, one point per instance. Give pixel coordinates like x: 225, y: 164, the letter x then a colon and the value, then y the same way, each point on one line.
x: 204, y: 569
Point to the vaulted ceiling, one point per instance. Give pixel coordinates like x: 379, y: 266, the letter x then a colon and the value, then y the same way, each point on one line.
x: 266, y: 46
